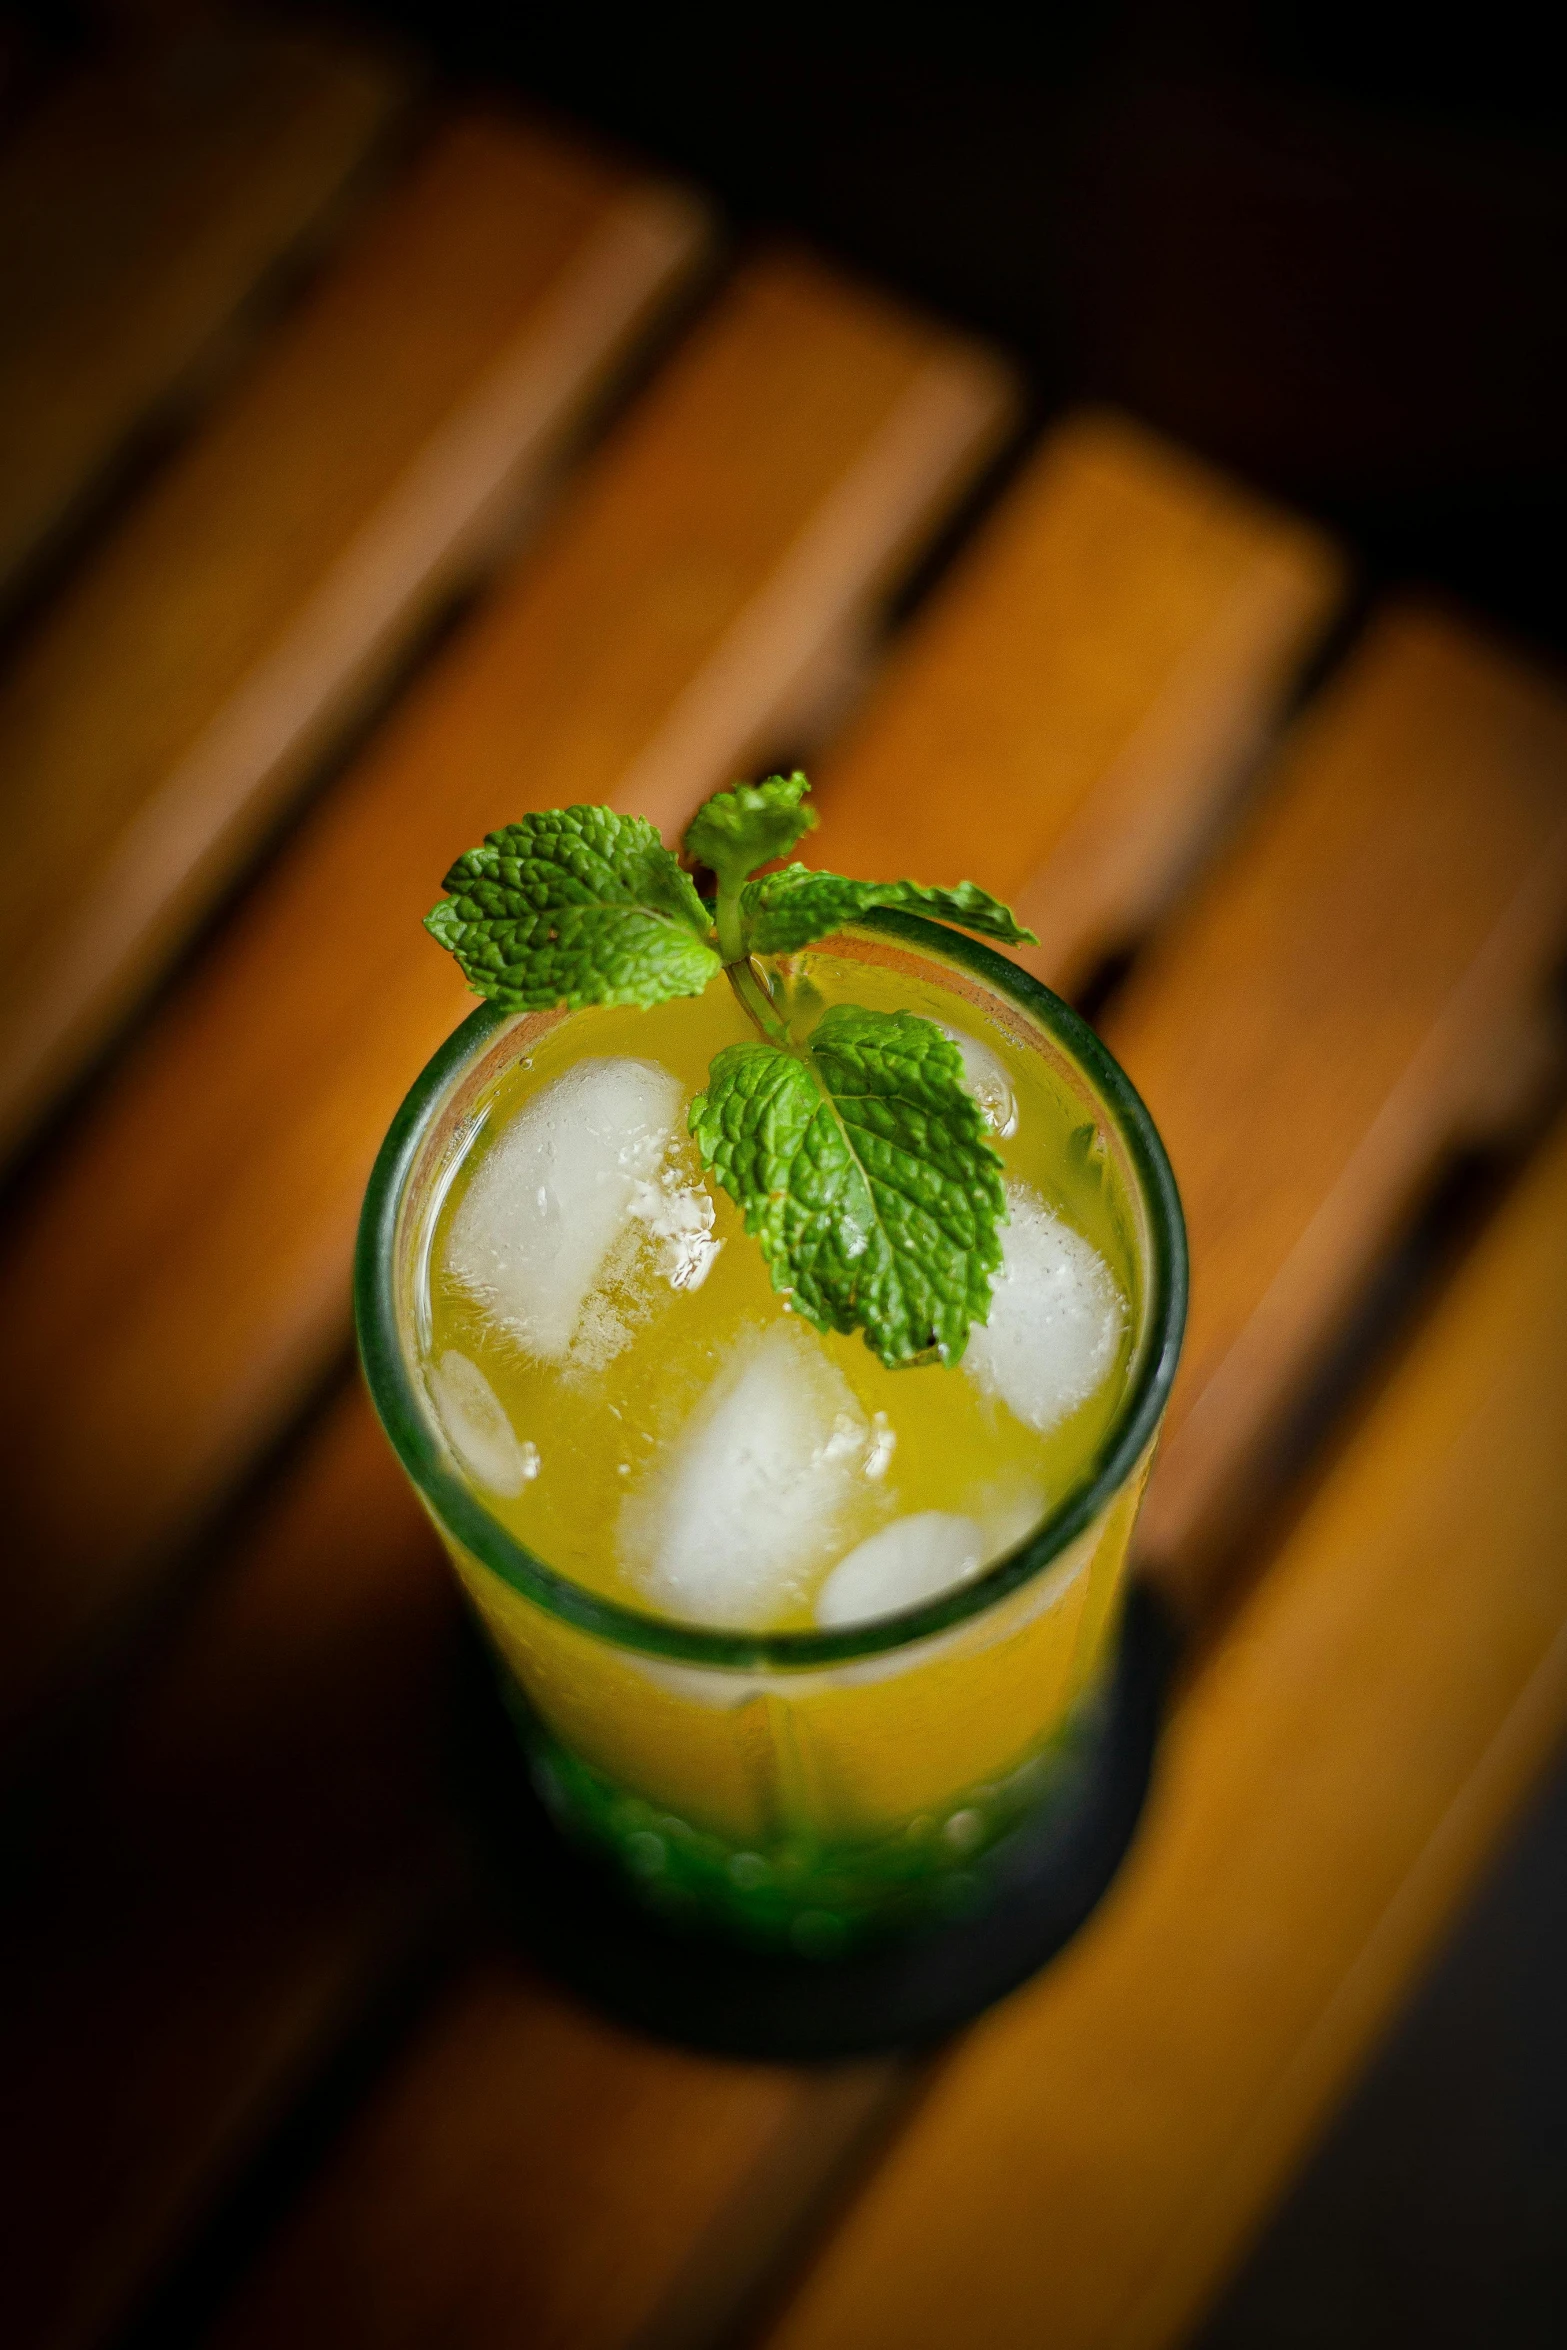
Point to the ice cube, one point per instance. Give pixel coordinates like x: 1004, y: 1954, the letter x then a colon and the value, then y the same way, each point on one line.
x: 985, y: 1077
x: 668, y: 1237
x: 556, y: 1192
x: 883, y: 1444
x: 748, y: 1504
x: 1056, y: 1317
x: 1009, y: 1512
x: 605, y: 1324
x: 910, y: 1560
x: 677, y: 1215
x: 476, y: 1426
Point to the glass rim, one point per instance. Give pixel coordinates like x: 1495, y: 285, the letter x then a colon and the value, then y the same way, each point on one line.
x: 459, y: 1510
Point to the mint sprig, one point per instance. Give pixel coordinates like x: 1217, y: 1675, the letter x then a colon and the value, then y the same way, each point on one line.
x: 854, y: 1153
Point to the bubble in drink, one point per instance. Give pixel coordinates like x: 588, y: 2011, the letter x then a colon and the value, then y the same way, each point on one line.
x: 1056, y: 1317
x: 897, y: 1567
x: 533, y: 1232
x: 477, y: 1429
x: 748, y: 1503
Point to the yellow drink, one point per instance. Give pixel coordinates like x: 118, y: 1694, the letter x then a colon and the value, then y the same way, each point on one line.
x: 835, y: 1736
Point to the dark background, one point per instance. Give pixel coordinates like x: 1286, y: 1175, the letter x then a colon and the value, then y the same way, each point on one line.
x: 1326, y: 245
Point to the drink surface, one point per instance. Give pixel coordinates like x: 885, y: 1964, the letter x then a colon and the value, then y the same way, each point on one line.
x: 630, y: 1397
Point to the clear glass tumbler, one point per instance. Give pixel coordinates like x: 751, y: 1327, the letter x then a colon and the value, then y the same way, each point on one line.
x: 799, y: 1790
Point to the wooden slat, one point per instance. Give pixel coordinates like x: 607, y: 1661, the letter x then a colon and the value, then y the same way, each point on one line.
x: 140, y: 209
x: 250, y: 1849
x: 182, y: 1270
x: 1096, y: 2155
x: 1342, y: 1002
x: 164, y: 710
x: 1069, y: 714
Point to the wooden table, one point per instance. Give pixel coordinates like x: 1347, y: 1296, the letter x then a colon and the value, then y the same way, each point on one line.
x: 488, y: 476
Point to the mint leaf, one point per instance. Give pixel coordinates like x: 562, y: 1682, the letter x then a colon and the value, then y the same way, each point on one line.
x: 785, y: 911
x: 864, y: 1169
x: 737, y: 830
x: 575, y: 906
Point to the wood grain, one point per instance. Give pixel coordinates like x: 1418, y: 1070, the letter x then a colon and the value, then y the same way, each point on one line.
x: 181, y: 1273
x: 163, y: 711
x: 1066, y: 719
x: 1096, y: 2154
x: 141, y: 207
x: 1338, y: 1005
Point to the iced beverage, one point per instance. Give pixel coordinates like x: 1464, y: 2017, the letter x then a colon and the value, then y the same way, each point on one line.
x: 795, y: 1638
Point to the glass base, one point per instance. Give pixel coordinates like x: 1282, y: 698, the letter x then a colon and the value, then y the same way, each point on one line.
x: 1026, y: 1896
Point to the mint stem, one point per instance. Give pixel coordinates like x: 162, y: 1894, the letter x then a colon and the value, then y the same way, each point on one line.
x: 731, y: 933
x: 749, y: 986
x: 746, y: 981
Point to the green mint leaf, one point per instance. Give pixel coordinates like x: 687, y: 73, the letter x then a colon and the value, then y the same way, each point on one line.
x: 865, y: 1171
x: 784, y: 911
x: 575, y: 906
x: 737, y: 830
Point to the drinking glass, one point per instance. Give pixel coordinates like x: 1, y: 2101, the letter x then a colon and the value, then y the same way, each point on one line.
x: 801, y: 1790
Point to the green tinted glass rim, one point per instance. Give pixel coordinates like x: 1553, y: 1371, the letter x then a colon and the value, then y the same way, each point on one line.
x: 465, y: 1517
